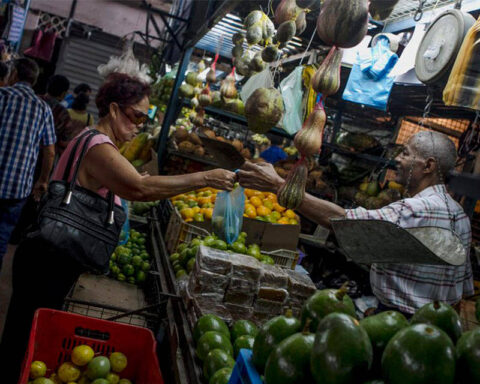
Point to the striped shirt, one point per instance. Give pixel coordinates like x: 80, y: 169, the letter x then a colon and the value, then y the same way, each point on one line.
x: 410, y: 286
x: 25, y: 122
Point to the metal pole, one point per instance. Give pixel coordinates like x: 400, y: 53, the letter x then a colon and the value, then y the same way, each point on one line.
x: 171, y: 114
x: 73, y: 7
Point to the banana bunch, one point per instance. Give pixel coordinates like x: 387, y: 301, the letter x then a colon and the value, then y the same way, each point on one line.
x: 310, y: 94
x: 137, y: 151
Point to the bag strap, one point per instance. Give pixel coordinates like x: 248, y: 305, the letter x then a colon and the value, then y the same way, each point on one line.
x: 71, y: 158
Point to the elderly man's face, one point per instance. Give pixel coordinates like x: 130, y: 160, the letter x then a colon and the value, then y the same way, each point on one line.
x: 408, y: 162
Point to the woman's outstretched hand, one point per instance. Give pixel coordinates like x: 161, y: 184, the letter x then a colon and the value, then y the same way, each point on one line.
x: 260, y: 176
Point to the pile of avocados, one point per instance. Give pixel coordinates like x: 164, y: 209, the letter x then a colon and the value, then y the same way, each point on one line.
x: 329, y: 345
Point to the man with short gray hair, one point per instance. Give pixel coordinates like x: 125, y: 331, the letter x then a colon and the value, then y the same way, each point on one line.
x: 425, y: 161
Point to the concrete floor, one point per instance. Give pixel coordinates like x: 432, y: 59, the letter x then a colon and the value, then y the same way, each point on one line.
x: 6, y: 285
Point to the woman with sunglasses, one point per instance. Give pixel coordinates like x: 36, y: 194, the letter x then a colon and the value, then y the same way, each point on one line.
x: 42, y: 277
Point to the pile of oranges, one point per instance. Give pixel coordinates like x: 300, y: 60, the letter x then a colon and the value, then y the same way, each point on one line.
x: 198, y: 206
x: 264, y: 206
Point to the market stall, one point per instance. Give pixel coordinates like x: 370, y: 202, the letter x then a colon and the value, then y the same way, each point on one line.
x: 240, y: 287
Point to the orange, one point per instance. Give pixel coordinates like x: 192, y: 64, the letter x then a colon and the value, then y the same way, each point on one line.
x: 189, y: 220
x: 276, y: 215
x: 208, y: 213
x: 249, y: 192
x: 196, y: 209
x: 251, y: 212
x: 255, y: 201
x: 263, y: 211
x: 268, y: 203
x: 289, y: 213
x: 187, y: 213
x: 259, y: 194
x: 293, y: 221
x: 204, y: 200
x: 277, y: 207
x: 272, y: 197
x: 283, y: 220
x: 213, y: 198
x: 249, y: 206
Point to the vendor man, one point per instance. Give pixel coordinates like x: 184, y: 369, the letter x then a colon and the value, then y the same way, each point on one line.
x: 421, y: 167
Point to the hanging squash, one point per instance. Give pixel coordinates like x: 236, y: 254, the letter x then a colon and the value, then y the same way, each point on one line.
x: 292, y: 192
x: 343, y: 23
x: 308, y: 140
x: 327, y: 77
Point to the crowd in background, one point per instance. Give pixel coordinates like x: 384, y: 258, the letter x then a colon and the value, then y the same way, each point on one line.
x: 35, y: 131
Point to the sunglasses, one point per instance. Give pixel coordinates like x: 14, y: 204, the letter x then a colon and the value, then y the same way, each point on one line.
x: 135, y: 117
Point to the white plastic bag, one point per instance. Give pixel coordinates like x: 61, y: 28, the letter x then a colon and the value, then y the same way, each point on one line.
x: 291, y: 89
x: 260, y: 80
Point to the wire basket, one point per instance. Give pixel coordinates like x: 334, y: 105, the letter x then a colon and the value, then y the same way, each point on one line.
x: 179, y: 231
x: 54, y: 334
x: 284, y: 258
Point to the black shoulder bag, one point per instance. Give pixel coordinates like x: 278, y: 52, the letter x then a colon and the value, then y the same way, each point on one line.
x: 78, y: 222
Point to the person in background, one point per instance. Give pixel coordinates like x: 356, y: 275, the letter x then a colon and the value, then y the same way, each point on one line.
x: 80, y: 88
x: 3, y: 74
x: 57, y: 88
x: 26, y: 128
x: 275, y: 152
x: 422, y: 167
x: 123, y: 104
x: 78, y: 111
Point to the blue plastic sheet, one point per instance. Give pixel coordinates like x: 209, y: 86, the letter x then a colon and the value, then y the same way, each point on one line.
x: 125, y: 234
x: 227, y: 219
x: 370, y: 82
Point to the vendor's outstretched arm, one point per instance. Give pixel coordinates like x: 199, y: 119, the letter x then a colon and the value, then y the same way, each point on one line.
x: 262, y: 176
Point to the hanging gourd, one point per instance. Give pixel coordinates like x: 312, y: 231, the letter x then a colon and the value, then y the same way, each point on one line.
x: 327, y: 77
x: 308, y: 140
x: 292, y: 192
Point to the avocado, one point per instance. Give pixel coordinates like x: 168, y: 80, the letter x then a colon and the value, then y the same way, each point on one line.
x: 342, y: 352
x: 209, y: 323
x: 289, y: 362
x: 419, y: 354
x: 243, y: 342
x: 270, y: 334
x: 213, y: 340
x: 468, y: 357
x: 215, y: 360
x: 442, y: 316
x: 222, y: 376
x: 380, y: 329
x: 324, y: 302
x: 243, y: 327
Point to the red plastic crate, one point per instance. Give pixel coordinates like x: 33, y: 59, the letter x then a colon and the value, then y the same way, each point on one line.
x: 54, y: 334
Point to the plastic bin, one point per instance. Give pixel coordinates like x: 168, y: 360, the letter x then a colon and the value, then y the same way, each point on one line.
x: 244, y: 371
x: 54, y: 334
x: 284, y: 258
x: 179, y: 231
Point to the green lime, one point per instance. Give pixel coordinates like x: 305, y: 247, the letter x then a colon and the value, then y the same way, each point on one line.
x: 177, y: 267
x: 115, y: 270
x: 137, y: 261
x: 131, y: 280
x: 145, y: 266
x: 239, y: 247
x: 195, y: 241
x: 128, y: 270
x: 192, y: 252
x: 254, y: 251
x: 220, y: 244
x: 180, y: 273
x: 181, y: 247
x: 191, y: 265
x: 141, y: 277
x: 209, y: 241
x: 184, y: 255
x: 145, y: 256
x: 124, y: 258
x: 174, y: 256
x: 267, y: 260
x: 113, y: 257
x: 121, y: 277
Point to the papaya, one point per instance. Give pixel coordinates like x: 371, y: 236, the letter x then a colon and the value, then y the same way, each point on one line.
x: 264, y: 109
x: 270, y: 334
x: 289, y: 362
x: 136, y: 146
x: 442, y: 316
x: 243, y: 342
x: 209, y: 323
x: 252, y: 18
x: 468, y: 357
x: 380, y: 329
x: 213, y: 340
x: 222, y: 376
x: 419, y: 354
x: 192, y: 79
x: 254, y: 34
x: 215, y: 360
x: 243, y: 327
x: 324, y: 302
x: 342, y: 352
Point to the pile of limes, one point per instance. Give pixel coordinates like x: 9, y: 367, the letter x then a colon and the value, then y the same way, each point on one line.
x: 131, y: 262
x: 84, y: 368
x: 183, y: 261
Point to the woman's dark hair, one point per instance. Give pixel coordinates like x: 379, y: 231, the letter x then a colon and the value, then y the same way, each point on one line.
x: 80, y: 102
x: 82, y: 88
x: 121, y: 89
